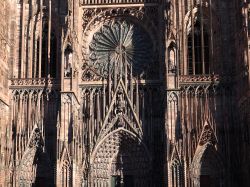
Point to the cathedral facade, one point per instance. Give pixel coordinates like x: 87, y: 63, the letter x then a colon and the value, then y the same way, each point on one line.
x: 124, y: 93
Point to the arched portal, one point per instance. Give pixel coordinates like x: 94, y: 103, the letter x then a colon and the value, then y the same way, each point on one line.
x: 34, y: 169
x: 26, y: 174
x: 120, y: 159
x: 207, y: 167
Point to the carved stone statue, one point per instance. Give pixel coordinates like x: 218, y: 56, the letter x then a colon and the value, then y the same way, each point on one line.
x: 68, y: 57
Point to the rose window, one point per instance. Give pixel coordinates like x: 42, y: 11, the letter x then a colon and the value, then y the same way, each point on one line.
x: 120, y: 41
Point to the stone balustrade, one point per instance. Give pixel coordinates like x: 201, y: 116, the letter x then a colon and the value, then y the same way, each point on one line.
x: 34, y: 82
x: 101, y: 2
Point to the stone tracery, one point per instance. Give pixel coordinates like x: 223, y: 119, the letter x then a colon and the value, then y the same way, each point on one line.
x: 120, y: 49
x: 27, y: 170
x: 143, y: 29
x: 132, y: 101
x: 120, y: 40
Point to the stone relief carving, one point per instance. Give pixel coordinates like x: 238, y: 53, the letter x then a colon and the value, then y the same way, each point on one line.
x: 68, y: 61
x: 96, y: 15
x: 89, y: 74
x: 207, y: 136
x: 36, y: 139
x: 120, y: 153
x: 26, y: 171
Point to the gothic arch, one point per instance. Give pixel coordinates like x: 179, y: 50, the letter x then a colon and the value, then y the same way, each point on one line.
x: 207, y: 163
x: 93, y: 18
x: 92, y: 29
x: 114, y: 132
x: 26, y: 169
x: 176, y: 170
x: 120, y: 153
x: 195, y: 11
x: 34, y: 168
x: 195, y: 14
x: 210, y: 28
x: 66, y: 169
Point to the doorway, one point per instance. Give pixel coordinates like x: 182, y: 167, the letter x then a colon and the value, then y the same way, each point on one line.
x: 205, y: 181
x: 128, y: 181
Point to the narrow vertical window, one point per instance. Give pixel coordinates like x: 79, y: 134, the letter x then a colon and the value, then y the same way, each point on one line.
x: 53, y: 55
x: 177, y: 174
x: 172, y: 59
x: 198, y: 50
x: 44, y: 51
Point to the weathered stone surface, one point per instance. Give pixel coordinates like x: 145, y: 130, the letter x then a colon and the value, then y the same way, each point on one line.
x: 141, y: 92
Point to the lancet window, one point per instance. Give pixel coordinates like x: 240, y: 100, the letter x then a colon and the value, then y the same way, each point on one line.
x: 53, y: 55
x: 44, y: 52
x: 176, y: 174
x: 49, y: 54
x: 198, y: 48
x: 66, y: 175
